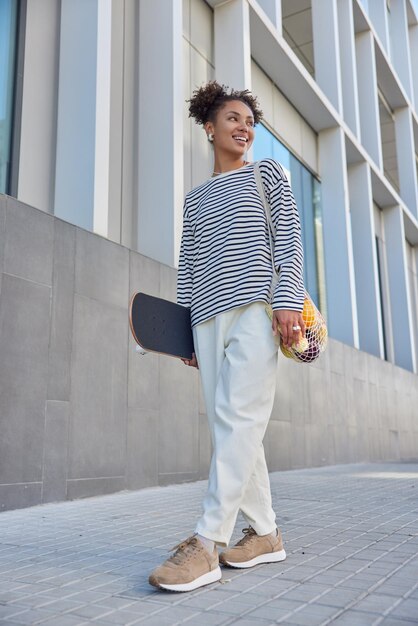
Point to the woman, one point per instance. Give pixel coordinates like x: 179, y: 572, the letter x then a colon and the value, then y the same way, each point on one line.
x: 225, y: 277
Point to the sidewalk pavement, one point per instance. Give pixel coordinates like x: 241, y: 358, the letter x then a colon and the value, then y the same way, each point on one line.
x: 351, y: 535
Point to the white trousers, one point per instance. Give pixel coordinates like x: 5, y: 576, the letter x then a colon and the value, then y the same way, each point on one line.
x: 237, y: 356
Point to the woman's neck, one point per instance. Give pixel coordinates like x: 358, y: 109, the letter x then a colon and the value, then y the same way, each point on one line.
x: 226, y: 164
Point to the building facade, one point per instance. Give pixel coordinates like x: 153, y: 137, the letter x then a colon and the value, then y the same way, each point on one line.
x: 96, y: 154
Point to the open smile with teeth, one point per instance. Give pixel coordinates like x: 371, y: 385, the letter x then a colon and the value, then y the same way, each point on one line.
x: 239, y: 138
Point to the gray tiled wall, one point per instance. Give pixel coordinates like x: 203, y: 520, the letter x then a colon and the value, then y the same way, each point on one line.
x: 81, y: 413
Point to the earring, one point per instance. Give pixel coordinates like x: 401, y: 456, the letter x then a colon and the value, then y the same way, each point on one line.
x: 210, y: 137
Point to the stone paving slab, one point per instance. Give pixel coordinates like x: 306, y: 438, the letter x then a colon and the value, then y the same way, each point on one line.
x: 350, y: 532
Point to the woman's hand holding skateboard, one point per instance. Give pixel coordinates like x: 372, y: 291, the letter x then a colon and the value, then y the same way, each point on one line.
x: 192, y: 362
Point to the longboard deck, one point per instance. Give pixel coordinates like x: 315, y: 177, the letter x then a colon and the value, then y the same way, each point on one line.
x: 161, y: 326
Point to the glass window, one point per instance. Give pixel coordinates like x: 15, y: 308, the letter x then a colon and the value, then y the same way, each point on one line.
x: 307, y: 191
x: 8, y: 26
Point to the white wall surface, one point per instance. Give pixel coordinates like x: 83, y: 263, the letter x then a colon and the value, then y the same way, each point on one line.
x: 75, y: 159
x: 284, y: 119
x: 39, y: 105
x: 160, y: 129
x: 198, y: 66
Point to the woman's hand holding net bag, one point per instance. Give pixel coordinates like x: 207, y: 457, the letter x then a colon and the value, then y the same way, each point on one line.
x: 308, y: 348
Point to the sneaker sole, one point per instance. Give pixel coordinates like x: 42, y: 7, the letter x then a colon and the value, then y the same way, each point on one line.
x: 271, y: 557
x: 206, y: 579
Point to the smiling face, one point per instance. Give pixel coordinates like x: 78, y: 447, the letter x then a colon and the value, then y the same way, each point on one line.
x: 233, y: 128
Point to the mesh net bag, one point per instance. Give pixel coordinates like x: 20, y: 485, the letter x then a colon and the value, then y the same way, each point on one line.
x: 309, y: 347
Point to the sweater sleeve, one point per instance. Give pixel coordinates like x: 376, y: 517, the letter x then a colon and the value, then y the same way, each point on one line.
x: 185, y: 271
x: 288, y: 251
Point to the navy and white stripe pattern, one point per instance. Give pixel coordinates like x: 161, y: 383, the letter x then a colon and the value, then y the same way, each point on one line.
x: 225, y: 259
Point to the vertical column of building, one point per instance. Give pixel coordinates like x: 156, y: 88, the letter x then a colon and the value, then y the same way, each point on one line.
x: 101, y: 174
x: 400, y: 298
x: 160, y: 135
x: 379, y: 17
x: 365, y: 261
x: 127, y: 128
x: 341, y: 302
x: 39, y: 105
x: 116, y: 83
x: 405, y: 149
x: 348, y: 65
x: 341, y: 294
x: 77, y: 172
x: 327, y: 50
x: 413, y: 47
x: 400, y: 55
x: 367, y: 96
x: 76, y: 123
x: 232, y: 44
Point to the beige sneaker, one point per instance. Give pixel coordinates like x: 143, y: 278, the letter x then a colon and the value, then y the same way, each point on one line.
x: 190, y: 567
x: 254, y: 549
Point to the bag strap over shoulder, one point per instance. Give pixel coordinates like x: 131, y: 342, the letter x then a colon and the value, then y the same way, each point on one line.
x: 267, y: 211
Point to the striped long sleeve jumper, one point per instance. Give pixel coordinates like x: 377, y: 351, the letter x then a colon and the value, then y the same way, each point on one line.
x: 225, y: 259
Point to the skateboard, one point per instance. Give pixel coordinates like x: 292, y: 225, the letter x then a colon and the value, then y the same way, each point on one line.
x: 161, y: 326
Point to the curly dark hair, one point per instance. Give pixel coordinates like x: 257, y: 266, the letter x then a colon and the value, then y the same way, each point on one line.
x: 207, y: 100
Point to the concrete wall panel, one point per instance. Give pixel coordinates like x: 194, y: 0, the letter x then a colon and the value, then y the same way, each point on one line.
x: 178, y: 427
x: 205, y: 446
x: 143, y: 370
x: 276, y: 445
x: 284, y: 395
x: 85, y: 487
x: 178, y: 446
x: 61, y: 330
x: 28, y: 245
x: 142, y: 448
x: 144, y: 274
x: 55, y: 461
x: 317, y: 395
x: 2, y: 233
x: 24, y: 335
x: 20, y: 496
x: 81, y: 413
x: 101, y: 269
x: 98, y: 390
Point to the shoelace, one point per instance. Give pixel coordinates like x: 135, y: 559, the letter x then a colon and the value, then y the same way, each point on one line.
x: 249, y: 535
x: 184, y: 550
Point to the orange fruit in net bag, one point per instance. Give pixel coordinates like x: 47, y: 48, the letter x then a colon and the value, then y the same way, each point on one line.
x: 309, y: 313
